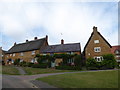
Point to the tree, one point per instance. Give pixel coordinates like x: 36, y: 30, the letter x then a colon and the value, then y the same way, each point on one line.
x: 17, y: 62
x: 78, y: 60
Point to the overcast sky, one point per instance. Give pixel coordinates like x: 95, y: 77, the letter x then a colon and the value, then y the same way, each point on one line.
x: 71, y: 21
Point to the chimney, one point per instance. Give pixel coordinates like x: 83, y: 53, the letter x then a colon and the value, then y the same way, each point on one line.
x: 26, y: 40
x: 35, y: 38
x: 62, y: 41
x: 14, y: 43
x: 46, y: 37
x: 94, y: 29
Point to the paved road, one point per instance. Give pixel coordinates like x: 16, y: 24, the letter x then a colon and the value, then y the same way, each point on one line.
x: 24, y: 81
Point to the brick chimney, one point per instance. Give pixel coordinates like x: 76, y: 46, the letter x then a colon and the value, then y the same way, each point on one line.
x: 14, y: 43
x: 35, y: 38
x: 26, y: 40
x: 94, y: 29
x: 62, y: 41
x: 46, y: 37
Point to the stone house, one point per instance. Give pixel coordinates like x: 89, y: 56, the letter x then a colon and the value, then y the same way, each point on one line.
x: 115, y: 50
x: 71, y: 48
x: 26, y: 51
x: 96, y: 46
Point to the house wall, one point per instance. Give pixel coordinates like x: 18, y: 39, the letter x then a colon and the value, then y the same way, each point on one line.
x: 89, y: 50
x: 27, y: 56
x: 62, y: 53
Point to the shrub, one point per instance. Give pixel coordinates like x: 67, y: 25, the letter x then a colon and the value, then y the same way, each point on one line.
x: 68, y: 67
x: 29, y: 64
x: 23, y: 63
x: 17, y: 62
x: 39, y: 65
x: 78, y: 60
x: 109, y: 61
x: 91, y: 64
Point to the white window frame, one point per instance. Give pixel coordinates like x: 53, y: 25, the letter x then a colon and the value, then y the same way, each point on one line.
x: 98, y: 58
x: 21, y: 54
x: 33, y: 52
x: 10, y: 55
x: 13, y: 54
x: 96, y: 41
x: 117, y: 52
x: 117, y: 56
x: 97, y: 49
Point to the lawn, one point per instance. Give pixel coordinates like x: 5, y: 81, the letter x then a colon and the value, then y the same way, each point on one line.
x: 32, y: 71
x: 11, y: 70
x: 98, y: 79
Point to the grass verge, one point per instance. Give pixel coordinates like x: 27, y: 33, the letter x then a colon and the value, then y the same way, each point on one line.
x: 11, y: 70
x: 98, y: 79
x: 33, y: 71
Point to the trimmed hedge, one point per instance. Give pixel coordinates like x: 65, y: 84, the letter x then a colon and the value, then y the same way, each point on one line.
x: 68, y: 67
x: 39, y: 65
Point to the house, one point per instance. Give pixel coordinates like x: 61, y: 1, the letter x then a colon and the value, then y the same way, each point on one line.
x: 71, y: 48
x: 26, y: 51
x: 96, y: 46
x: 115, y: 50
x: 2, y: 54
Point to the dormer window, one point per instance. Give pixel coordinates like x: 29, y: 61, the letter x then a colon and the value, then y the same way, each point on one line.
x: 96, y: 41
x: 33, y: 52
x: 97, y: 49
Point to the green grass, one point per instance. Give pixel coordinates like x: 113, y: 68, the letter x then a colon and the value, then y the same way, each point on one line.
x: 32, y: 71
x: 99, y: 79
x: 11, y: 70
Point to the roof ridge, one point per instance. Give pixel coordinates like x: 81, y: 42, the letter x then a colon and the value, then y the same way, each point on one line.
x: 64, y: 44
x: 29, y: 41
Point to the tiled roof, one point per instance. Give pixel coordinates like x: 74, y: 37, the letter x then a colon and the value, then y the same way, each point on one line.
x: 117, y: 47
x: 27, y: 46
x: 62, y: 48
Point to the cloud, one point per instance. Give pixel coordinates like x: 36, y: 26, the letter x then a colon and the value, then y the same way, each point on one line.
x: 74, y: 20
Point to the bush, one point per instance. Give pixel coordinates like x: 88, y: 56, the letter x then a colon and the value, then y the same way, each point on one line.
x: 109, y: 61
x: 68, y: 67
x: 23, y: 63
x: 91, y: 64
x: 29, y: 64
x: 39, y: 65
x: 17, y: 62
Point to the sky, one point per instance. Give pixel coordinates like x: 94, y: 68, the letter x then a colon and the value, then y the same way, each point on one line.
x: 72, y: 21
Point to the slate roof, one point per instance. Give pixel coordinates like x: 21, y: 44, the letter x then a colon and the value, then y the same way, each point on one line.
x: 100, y: 36
x: 62, y: 48
x: 27, y: 46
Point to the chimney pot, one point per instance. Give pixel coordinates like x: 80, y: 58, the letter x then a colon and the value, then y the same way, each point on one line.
x: 35, y: 38
x: 26, y: 40
x: 94, y: 29
x: 62, y: 41
x: 14, y: 43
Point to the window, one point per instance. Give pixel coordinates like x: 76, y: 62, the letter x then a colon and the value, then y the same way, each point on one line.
x: 13, y: 54
x: 96, y: 41
x: 97, y: 49
x: 21, y: 54
x: 33, y: 52
x: 98, y: 58
x: 117, y: 56
x: 10, y: 54
x: 117, y: 52
x: 72, y: 52
x: 44, y: 54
